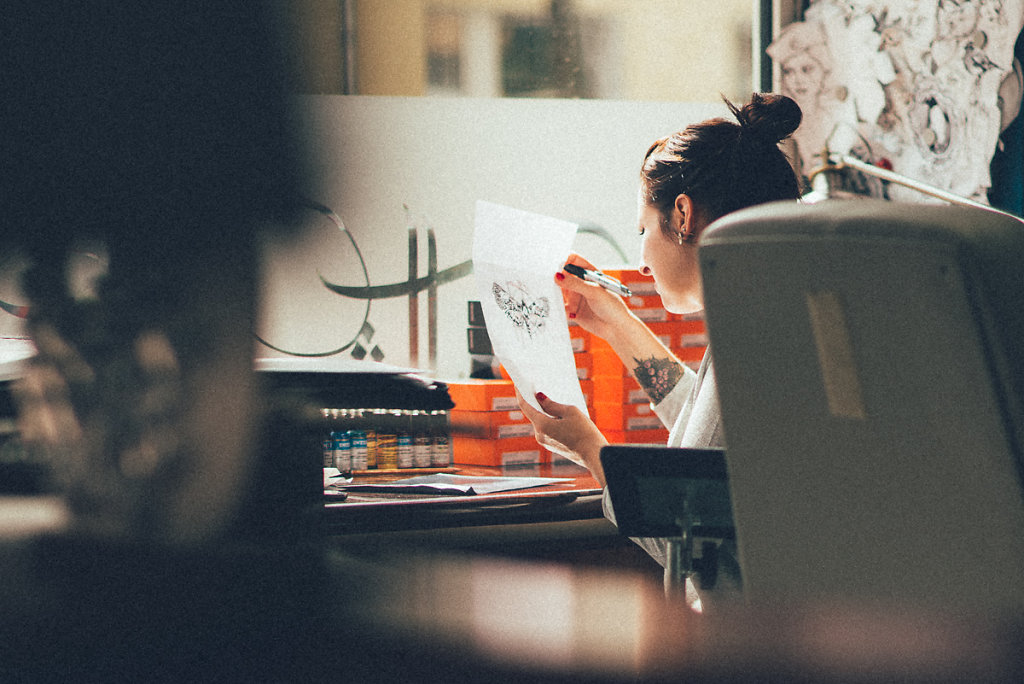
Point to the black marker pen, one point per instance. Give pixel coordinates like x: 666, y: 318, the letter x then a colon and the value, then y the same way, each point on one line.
x: 607, y: 282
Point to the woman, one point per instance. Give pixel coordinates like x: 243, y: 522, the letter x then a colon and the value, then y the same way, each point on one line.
x: 688, y: 180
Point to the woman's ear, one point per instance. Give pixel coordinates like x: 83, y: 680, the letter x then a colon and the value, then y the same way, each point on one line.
x: 684, y: 216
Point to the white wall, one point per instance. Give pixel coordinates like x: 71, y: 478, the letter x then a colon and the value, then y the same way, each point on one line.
x: 576, y: 160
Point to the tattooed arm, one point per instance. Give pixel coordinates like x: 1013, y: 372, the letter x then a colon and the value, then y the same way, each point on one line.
x: 657, y: 375
x: 606, y: 315
x: 652, y: 364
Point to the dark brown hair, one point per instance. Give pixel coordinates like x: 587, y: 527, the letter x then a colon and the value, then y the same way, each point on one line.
x: 725, y: 165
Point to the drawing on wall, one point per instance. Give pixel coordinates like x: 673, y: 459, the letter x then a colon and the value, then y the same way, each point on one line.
x: 364, y: 329
x: 924, y: 88
x: 525, y: 312
x: 361, y: 345
x: 294, y: 278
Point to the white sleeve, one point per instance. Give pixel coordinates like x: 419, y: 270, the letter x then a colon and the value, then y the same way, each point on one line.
x: 669, y: 408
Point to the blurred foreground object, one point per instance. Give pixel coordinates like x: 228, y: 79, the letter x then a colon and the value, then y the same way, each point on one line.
x: 160, y: 139
x: 892, y: 471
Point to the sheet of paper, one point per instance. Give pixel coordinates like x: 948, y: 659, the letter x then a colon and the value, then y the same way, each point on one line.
x: 515, y: 257
x: 442, y: 483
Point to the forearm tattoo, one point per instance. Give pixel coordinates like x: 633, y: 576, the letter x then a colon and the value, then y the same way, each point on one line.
x: 657, y: 376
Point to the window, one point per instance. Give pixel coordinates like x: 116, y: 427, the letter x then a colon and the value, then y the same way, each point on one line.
x: 667, y: 50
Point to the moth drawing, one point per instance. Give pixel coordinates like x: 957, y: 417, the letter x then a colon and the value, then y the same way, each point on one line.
x: 525, y: 312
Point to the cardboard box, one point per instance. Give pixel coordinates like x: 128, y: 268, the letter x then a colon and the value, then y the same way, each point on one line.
x: 587, y: 387
x: 697, y: 339
x: 618, y: 390
x: 688, y: 324
x: 483, y: 395
x: 612, y: 416
x: 578, y: 338
x: 498, y: 452
x: 607, y: 363
x: 639, y: 301
x: 584, y: 365
x: 637, y: 436
x: 490, y: 424
x: 689, y: 355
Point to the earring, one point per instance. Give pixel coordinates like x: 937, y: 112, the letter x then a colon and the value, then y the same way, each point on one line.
x: 680, y: 237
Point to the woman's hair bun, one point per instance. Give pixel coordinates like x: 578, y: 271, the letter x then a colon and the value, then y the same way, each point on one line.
x: 768, y: 117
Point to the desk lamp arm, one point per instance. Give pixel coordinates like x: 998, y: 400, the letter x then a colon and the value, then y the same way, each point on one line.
x: 835, y: 163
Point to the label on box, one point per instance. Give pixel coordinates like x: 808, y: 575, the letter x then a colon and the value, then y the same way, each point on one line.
x: 519, y: 457
x: 517, y: 430
x: 504, y: 404
x: 482, y: 395
x: 693, y: 340
x: 644, y: 423
x: 638, y: 396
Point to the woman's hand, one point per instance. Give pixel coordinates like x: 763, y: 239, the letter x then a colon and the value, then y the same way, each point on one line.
x: 567, y: 431
x: 594, y: 308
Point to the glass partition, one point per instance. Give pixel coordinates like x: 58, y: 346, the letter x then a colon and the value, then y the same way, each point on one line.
x: 655, y: 50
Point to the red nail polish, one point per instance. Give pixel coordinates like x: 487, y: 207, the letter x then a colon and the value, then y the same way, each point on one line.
x: 541, y: 396
x: 559, y: 276
x: 572, y: 315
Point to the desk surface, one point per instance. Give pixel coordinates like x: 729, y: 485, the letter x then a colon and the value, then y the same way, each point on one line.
x: 577, y: 499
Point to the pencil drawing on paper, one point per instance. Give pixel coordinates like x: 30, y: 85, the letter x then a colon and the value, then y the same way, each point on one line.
x: 525, y: 312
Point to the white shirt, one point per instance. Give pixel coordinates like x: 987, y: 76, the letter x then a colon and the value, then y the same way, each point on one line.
x: 691, y: 412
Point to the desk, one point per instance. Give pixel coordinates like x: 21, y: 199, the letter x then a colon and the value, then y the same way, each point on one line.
x: 562, y: 523
x: 578, y: 499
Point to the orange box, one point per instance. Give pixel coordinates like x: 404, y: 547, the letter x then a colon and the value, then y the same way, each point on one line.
x: 665, y: 328
x: 670, y: 332
x: 649, y: 423
x: 618, y: 390
x: 688, y: 324
x: 587, y: 386
x: 607, y: 363
x: 640, y: 301
x: 696, y: 339
x: 579, y: 338
x: 490, y: 424
x: 689, y: 355
x: 584, y: 365
x: 498, y: 452
x: 599, y: 345
x: 483, y: 395
x: 612, y: 416
x: 637, y: 436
